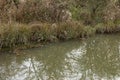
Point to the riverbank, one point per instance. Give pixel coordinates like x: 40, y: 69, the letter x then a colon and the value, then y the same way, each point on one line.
x: 21, y: 36
x: 28, y: 22
x: 15, y: 34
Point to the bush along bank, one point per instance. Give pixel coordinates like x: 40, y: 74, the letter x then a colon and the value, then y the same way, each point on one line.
x: 14, y: 35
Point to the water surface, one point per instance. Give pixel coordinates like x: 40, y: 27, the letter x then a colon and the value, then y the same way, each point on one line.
x: 96, y: 58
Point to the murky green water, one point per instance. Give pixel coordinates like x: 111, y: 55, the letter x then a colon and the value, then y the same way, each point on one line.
x: 96, y: 58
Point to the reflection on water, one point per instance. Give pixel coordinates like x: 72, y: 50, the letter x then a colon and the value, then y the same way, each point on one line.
x: 97, y: 58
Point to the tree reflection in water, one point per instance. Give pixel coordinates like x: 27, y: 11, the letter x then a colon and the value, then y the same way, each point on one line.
x: 102, y: 59
x: 94, y: 59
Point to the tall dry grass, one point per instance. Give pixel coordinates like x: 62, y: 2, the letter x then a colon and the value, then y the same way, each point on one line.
x: 14, y: 34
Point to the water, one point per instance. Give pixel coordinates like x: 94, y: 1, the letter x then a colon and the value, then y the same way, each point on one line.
x: 96, y: 58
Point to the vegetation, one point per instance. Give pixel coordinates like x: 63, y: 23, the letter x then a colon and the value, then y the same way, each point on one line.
x: 14, y: 35
x: 24, y: 22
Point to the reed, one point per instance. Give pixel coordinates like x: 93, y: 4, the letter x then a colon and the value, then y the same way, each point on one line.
x: 15, y: 34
